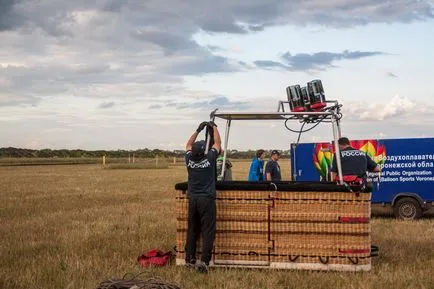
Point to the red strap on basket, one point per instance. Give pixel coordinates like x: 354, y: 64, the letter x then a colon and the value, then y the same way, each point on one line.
x: 350, y: 179
x: 354, y: 219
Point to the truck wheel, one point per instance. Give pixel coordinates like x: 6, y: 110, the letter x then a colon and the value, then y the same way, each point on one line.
x: 407, y: 209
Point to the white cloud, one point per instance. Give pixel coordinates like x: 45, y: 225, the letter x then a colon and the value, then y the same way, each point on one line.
x: 396, y: 107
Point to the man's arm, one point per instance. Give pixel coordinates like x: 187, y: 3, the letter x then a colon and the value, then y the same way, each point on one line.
x: 268, y: 170
x: 191, y: 141
x: 217, y: 141
x: 333, y: 170
x: 255, y: 170
x: 252, y: 176
x: 268, y: 176
x: 193, y: 137
x: 372, y: 166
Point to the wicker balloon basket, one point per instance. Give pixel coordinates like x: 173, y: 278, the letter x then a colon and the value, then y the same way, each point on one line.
x: 286, y: 226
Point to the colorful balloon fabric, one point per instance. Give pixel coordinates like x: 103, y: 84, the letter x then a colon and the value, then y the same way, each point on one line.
x: 323, y: 154
x: 374, y: 149
x: 322, y: 159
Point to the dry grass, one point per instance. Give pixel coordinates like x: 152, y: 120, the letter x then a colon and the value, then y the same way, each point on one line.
x: 75, y: 226
x: 48, y: 161
x: 145, y: 162
x: 137, y: 166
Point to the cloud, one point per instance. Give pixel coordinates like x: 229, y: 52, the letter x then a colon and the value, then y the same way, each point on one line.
x: 200, y: 66
x: 219, y: 25
x: 105, y: 105
x: 169, y: 42
x: 256, y: 28
x: 9, y: 19
x: 322, y: 60
x: 391, y: 75
x: 396, y: 107
x: 270, y: 64
x: 214, y: 48
x: 246, y: 15
x: 84, y: 48
x: 18, y: 100
x: 314, y: 61
x: 155, y: 106
x: 226, y: 16
x: 213, y: 102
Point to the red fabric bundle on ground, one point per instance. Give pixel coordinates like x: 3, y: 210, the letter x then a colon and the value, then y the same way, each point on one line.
x: 154, y: 257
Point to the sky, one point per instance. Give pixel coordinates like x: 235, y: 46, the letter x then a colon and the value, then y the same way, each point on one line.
x: 125, y: 74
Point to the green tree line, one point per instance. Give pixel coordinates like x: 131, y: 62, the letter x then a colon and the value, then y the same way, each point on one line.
x: 11, y: 152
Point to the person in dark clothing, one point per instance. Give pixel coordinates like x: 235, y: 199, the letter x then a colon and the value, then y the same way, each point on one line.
x: 354, y: 162
x: 272, y: 168
x: 227, y: 176
x: 201, y: 195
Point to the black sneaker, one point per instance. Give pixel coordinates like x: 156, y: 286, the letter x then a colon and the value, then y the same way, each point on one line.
x: 202, y: 267
x: 191, y: 264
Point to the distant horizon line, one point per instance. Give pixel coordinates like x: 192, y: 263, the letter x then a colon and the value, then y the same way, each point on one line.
x: 120, y: 149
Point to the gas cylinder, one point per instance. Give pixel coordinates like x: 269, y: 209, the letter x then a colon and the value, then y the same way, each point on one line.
x: 316, y: 95
x: 295, y: 99
x: 305, y: 97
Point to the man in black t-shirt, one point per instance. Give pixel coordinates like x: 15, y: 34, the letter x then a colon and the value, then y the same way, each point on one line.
x: 354, y: 162
x: 201, y: 195
x: 272, y: 168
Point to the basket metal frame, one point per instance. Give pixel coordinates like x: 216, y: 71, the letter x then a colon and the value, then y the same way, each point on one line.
x: 330, y: 114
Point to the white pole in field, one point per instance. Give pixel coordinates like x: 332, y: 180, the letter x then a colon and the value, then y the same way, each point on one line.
x: 174, y: 160
x: 156, y: 161
x: 133, y: 159
x: 103, y: 160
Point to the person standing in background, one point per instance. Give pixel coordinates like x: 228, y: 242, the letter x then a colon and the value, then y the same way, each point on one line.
x: 256, y: 172
x: 272, y: 169
x: 228, y: 169
x: 355, y: 163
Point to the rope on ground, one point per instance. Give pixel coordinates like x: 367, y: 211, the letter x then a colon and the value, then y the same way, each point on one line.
x: 151, y: 283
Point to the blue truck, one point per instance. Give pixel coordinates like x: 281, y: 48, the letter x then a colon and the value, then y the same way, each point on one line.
x: 406, y: 180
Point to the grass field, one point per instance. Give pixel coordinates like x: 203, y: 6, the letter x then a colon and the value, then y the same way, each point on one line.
x: 73, y: 226
x: 126, y: 162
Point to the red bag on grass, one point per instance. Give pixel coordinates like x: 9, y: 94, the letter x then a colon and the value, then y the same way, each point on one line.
x: 154, y: 257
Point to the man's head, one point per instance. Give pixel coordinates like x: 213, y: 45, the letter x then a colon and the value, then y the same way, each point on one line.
x: 198, y: 149
x: 260, y: 154
x: 275, y: 154
x: 344, y: 143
